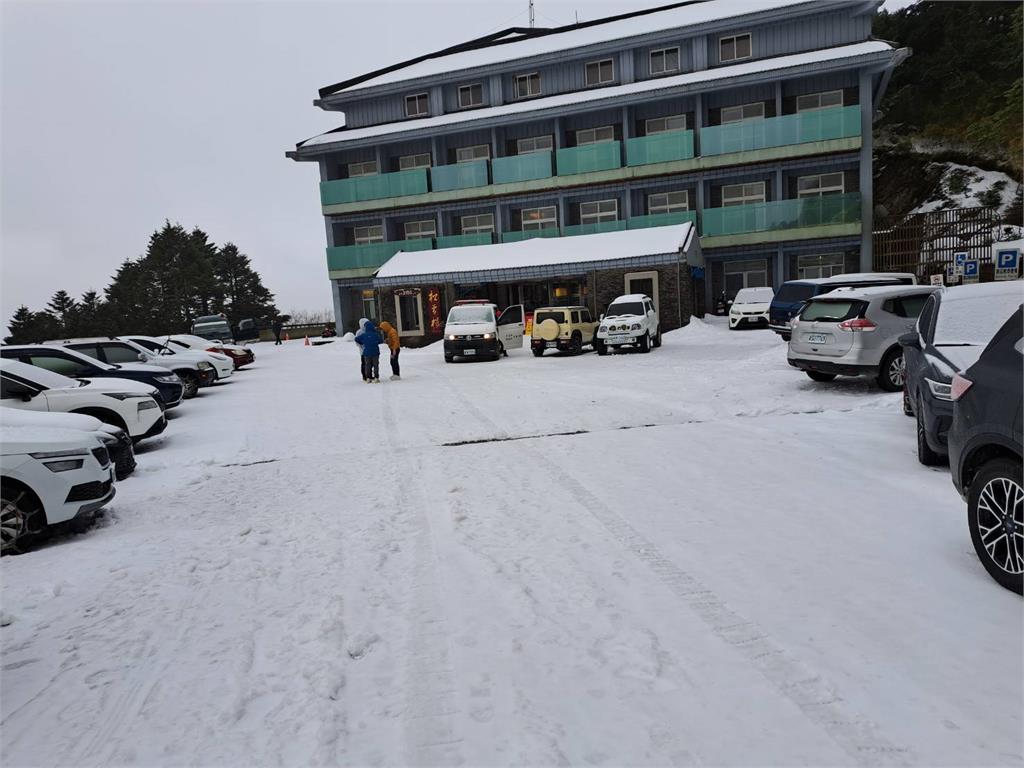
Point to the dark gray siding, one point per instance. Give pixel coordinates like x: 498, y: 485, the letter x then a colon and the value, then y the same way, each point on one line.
x: 642, y: 58
x: 451, y: 93
x: 713, y: 102
x: 822, y: 30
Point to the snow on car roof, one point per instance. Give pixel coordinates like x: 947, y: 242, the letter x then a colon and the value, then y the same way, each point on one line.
x: 853, y: 277
x: 875, y: 291
x: 983, y: 290
x: 36, y: 375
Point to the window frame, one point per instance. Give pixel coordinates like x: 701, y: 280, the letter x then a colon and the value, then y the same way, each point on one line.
x: 600, y: 69
x: 476, y: 229
x: 367, y: 239
x: 523, y: 222
x: 734, y: 39
x: 417, y: 96
x: 402, y: 330
x: 548, y: 136
x: 525, y: 76
x: 580, y: 131
x: 419, y: 223
x: 804, y: 271
x: 469, y: 87
x: 818, y: 95
x: 745, y: 267
x: 474, y: 147
x: 665, y: 119
x: 745, y: 198
x: 428, y: 155
x: 349, y: 167
x: 821, y: 191
x: 599, y: 216
x: 669, y: 206
x: 664, y: 70
x: 743, y: 117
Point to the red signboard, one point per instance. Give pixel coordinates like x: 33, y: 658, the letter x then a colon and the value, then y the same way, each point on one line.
x: 434, y: 310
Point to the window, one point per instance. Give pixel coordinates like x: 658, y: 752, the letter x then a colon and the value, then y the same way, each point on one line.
x: 527, y: 85
x: 11, y: 389
x: 417, y: 106
x: 367, y: 235
x: 595, y: 135
x: 668, y: 202
x: 415, y: 230
x: 409, y: 311
x: 469, y: 154
x: 823, y: 265
x: 598, y: 211
x: 906, y: 306
x: 662, y: 124
x: 539, y: 218
x: 481, y: 222
x: 813, y: 101
x: 823, y: 184
x: 369, y: 302
x: 118, y: 353
x: 733, y: 48
x: 471, y: 95
x: 743, y: 194
x: 600, y: 72
x: 369, y: 168
x: 664, y: 61
x: 534, y: 144
x: 743, y: 113
x: 408, y: 162
x: 745, y: 274
x: 65, y: 366
x: 585, y: 316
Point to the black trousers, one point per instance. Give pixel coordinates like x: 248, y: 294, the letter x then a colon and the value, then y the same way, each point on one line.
x: 371, y: 367
x: 394, y: 362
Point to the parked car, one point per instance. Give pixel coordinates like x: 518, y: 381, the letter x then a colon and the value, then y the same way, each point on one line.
x: 750, y: 307
x: 68, y: 362
x: 213, y: 328
x: 119, y: 444
x: 223, y: 365
x: 193, y: 373
x: 566, y: 329
x: 792, y: 295
x: 985, y: 453
x: 247, y: 330
x: 240, y: 355
x: 475, y: 329
x: 49, y: 476
x: 954, y: 326
x: 855, y: 332
x: 629, y: 321
x: 123, y: 403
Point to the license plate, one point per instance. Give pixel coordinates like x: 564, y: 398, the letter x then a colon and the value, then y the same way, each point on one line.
x: 620, y: 340
x: 817, y: 338
x: 469, y: 352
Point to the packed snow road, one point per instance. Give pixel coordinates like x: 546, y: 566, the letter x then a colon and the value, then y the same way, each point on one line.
x: 724, y: 564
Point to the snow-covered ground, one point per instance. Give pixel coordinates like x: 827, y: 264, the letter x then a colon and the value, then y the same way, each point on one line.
x: 728, y: 565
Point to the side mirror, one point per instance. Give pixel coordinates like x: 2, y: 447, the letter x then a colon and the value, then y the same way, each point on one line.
x: 142, y: 357
x: 910, y: 340
x: 728, y: 303
x: 601, y: 317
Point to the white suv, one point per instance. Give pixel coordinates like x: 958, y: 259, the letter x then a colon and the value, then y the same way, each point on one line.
x: 222, y: 364
x: 630, y: 320
x: 130, y: 405
x: 49, y: 476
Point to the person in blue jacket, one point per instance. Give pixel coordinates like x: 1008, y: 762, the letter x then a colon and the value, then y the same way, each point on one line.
x: 369, y: 339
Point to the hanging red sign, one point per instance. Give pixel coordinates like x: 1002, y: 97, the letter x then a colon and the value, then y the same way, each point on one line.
x: 434, y: 309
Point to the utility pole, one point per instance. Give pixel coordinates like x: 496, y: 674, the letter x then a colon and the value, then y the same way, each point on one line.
x: 531, y: 14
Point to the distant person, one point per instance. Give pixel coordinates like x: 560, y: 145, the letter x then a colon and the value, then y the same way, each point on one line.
x: 391, y: 339
x: 369, y: 341
x: 328, y: 332
x: 277, y: 327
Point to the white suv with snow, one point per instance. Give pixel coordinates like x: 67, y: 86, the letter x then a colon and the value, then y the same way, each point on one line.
x: 630, y: 321
x: 750, y: 307
x: 222, y: 364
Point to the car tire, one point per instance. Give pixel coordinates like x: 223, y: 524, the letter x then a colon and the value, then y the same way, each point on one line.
x: 601, y: 347
x: 125, y: 463
x: 500, y: 352
x: 575, y: 344
x: 21, y: 516
x: 190, y: 384
x: 996, y: 492
x: 820, y: 376
x: 786, y: 337
x: 657, y: 338
x: 538, y: 351
x: 449, y: 358
x: 908, y: 409
x: 925, y: 454
x: 892, y: 371
x: 645, y: 343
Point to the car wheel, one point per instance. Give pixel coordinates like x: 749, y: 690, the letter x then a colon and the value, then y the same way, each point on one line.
x: 449, y: 358
x: 191, y: 385
x: 925, y: 454
x: 892, y: 371
x: 645, y: 342
x: 125, y: 463
x: 819, y: 376
x: 995, y: 516
x: 20, y: 514
x: 575, y: 344
x: 657, y: 338
x: 601, y: 347
x: 786, y: 337
x: 500, y: 352
x: 538, y: 351
x: 908, y: 409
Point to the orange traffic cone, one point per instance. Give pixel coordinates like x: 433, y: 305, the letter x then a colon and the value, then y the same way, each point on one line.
x: 306, y: 344
x: 286, y: 336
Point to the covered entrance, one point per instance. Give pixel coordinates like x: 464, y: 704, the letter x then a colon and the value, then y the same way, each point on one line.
x: 564, y: 292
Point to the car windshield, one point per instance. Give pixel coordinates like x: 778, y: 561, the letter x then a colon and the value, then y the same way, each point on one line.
x: 754, y: 296
x: 471, y: 315
x: 973, y: 321
x: 619, y: 308
x: 540, y: 317
x: 830, y: 310
x: 793, y: 293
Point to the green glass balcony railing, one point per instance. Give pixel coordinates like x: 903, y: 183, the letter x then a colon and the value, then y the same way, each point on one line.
x: 803, y: 127
x: 515, y: 237
x: 458, y: 176
x: 659, y: 148
x: 782, y: 214
x: 662, y: 219
x: 593, y: 229
x: 372, y: 255
x: 536, y: 165
x: 590, y: 157
x: 456, y: 241
x: 355, y: 190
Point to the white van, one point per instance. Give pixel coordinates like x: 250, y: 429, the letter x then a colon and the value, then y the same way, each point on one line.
x: 475, y: 328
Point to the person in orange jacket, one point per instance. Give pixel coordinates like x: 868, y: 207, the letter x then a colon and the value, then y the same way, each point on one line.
x: 390, y: 335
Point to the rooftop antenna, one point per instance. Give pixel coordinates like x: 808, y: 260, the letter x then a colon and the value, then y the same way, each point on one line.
x: 531, y: 14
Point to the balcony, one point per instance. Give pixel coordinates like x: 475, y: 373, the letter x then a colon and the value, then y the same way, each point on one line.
x: 590, y: 157
x: 659, y: 148
x: 458, y: 176
x: 593, y: 229
x: 782, y: 214
x: 515, y: 237
x: 372, y: 255
x: 508, y: 170
x: 801, y: 128
x: 362, y: 188
x: 662, y: 219
x: 456, y: 241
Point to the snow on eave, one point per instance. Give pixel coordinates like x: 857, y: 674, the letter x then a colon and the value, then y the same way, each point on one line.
x: 541, y: 251
x: 825, y: 55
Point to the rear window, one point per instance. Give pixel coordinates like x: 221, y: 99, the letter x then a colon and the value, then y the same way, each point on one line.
x: 791, y: 293
x: 832, y: 311
x: 540, y: 317
x: 974, y: 320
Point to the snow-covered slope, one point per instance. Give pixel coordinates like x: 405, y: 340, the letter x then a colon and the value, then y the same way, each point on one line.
x: 965, y: 186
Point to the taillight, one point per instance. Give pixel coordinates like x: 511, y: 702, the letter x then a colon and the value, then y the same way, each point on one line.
x: 212, y: 349
x: 959, y: 386
x: 858, y: 324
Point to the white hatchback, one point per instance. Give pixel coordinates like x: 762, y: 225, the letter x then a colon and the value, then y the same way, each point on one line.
x: 750, y: 307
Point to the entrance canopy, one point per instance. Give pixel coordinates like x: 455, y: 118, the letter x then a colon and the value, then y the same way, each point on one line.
x: 541, y: 258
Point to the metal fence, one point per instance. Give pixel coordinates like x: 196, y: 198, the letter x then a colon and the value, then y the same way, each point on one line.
x: 924, y: 243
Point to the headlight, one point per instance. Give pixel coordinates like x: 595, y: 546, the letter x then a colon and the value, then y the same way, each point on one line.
x: 122, y: 395
x: 488, y: 335
x: 57, y: 454
x: 204, y: 366
x: 939, y: 390
x: 635, y: 327
x: 451, y: 337
x: 64, y: 466
x: 603, y: 329
x: 170, y: 378
x: 147, y: 404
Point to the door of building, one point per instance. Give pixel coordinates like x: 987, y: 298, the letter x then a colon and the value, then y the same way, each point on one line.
x: 645, y: 283
x: 745, y: 274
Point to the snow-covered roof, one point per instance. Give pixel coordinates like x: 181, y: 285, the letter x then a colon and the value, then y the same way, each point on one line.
x: 573, y: 37
x: 836, y: 54
x: 541, y: 252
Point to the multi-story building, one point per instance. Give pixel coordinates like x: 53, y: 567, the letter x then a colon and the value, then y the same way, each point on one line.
x: 751, y: 119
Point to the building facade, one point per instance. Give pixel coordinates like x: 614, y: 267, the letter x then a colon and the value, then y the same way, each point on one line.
x: 751, y: 120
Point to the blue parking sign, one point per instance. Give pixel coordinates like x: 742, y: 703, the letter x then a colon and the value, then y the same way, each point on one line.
x: 1007, y: 264
x: 971, y: 270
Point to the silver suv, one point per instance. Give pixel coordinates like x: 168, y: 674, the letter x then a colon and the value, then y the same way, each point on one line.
x: 855, y: 332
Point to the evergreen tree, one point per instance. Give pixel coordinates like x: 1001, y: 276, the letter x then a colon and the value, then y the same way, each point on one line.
x: 63, y: 308
x: 20, y: 326
x: 240, y: 293
x: 88, y: 319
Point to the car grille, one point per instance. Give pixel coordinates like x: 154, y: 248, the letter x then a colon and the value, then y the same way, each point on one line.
x: 88, y: 491
x: 102, y: 455
x: 469, y: 336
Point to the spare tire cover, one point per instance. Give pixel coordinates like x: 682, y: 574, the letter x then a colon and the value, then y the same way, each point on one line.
x: 549, y: 330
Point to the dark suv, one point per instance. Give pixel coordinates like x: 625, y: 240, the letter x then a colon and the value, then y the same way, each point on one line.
x: 68, y: 362
x: 985, y: 453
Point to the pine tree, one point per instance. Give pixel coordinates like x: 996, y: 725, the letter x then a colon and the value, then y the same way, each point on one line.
x: 20, y: 326
x: 63, y: 308
x: 88, y: 319
x: 241, y: 293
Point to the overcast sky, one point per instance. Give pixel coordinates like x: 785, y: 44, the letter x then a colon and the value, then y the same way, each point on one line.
x: 117, y: 116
